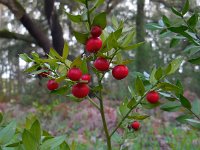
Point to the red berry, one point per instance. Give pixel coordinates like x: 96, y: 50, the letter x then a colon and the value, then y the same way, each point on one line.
x: 101, y: 64
x: 74, y: 74
x: 120, y: 72
x: 80, y: 90
x: 152, y: 97
x: 135, y: 125
x: 93, y: 44
x: 96, y: 31
x: 52, y: 85
x: 86, y: 77
x: 44, y: 74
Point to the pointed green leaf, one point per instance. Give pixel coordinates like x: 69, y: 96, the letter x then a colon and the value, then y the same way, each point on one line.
x: 53, y: 143
x: 139, y: 86
x: 152, y: 78
x: 185, y: 102
x: 128, y: 39
x: 32, y: 68
x: 123, y: 107
x: 166, y: 21
x: 96, y: 5
x: 133, y: 47
x: 54, y: 54
x: 192, y: 21
x: 138, y: 117
x: 65, y: 51
x: 7, y: 133
x: 186, y: 7
x: 74, y: 18
x: 176, y: 12
x: 194, y: 123
x: 36, y: 131
x: 61, y: 91
x: 29, y: 141
x: 174, y: 65
x: 25, y: 57
x: 170, y: 106
x: 158, y: 74
x: 165, y: 86
x: 81, y: 37
x: 195, y: 61
x: 100, y: 20
x: 131, y: 103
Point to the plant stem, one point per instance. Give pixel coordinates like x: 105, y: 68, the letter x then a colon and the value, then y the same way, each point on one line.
x: 93, y: 103
x: 194, y: 114
x: 88, y: 14
x: 108, y: 138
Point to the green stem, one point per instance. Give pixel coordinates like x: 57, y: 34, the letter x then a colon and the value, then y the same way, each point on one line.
x: 194, y: 114
x: 88, y: 15
x: 108, y: 138
x: 93, y: 103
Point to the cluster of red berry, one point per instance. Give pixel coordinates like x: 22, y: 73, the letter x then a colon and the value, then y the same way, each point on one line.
x: 93, y: 45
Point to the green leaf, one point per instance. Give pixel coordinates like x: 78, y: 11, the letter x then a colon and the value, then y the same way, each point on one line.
x: 170, y: 106
x: 186, y: 7
x: 32, y: 68
x: 64, y: 146
x: 194, y: 123
x: 174, y: 42
x: 77, y: 62
x: 96, y: 5
x: 165, y: 86
x: 176, y: 12
x: 60, y: 91
x: 166, y: 21
x: 115, y: 22
x: 131, y: 103
x: 36, y: 131
x: 123, y: 107
x: 179, y: 29
x: 100, y: 20
x: 191, y: 50
x: 174, y: 65
x: 139, y: 86
x: 195, y: 61
x: 65, y: 51
x: 81, y: 37
x: 192, y: 21
x: 133, y: 47
x: 158, y: 73
x: 182, y: 118
x: 25, y: 57
x: 138, y: 117
x: 84, y: 67
x: 153, y: 26
x: 54, y: 54
x: 74, y: 18
x: 148, y: 105
x: 29, y: 141
x: 53, y: 143
x: 128, y: 39
x: 61, y: 78
x: 7, y: 133
x: 185, y: 102
x: 152, y: 78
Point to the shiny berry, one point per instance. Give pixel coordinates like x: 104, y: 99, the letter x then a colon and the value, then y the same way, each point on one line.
x: 101, y: 64
x: 120, y: 72
x: 86, y: 77
x: 152, y: 97
x: 135, y: 125
x: 74, y: 74
x: 96, y: 31
x: 93, y: 44
x: 80, y: 90
x: 52, y: 85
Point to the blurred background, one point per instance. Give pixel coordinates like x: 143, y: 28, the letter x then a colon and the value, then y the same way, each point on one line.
x: 36, y: 25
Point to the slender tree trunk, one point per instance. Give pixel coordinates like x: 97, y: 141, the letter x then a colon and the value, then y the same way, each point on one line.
x: 142, y: 51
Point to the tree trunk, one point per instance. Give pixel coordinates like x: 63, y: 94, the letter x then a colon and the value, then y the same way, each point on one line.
x: 142, y: 52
